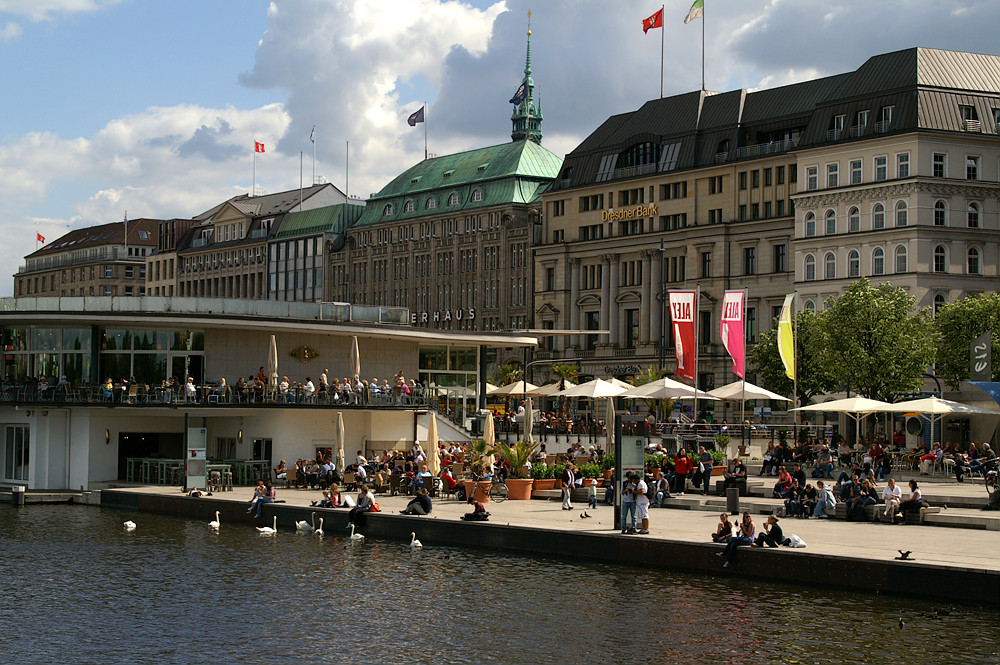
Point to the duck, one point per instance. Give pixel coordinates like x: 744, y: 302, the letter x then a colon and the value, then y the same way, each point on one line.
x: 414, y: 543
x: 129, y: 525
x: 356, y: 537
x: 319, y: 531
x: 269, y: 530
x: 303, y: 525
x: 216, y: 523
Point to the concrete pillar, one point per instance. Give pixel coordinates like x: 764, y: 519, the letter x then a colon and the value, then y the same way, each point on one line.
x: 605, y: 323
x: 656, y: 295
x: 645, y: 305
x: 614, y: 267
x: 574, y: 297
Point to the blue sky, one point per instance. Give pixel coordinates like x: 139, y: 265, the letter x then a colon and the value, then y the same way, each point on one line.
x: 152, y: 106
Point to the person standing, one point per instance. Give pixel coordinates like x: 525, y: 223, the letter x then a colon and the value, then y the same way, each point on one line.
x: 707, y: 464
x: 642, y: 504
x: 629, y: 505
x: 568, y: 480
x: 682, y: 466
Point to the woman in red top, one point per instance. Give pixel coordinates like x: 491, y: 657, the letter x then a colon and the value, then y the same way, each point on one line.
x: 682, y: 466
x: 784, y: 482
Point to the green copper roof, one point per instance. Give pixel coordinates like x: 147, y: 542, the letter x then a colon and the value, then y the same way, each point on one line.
x: 514, y: 172
x: 328, y: 219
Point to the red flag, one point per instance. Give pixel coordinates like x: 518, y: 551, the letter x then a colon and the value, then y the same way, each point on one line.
x: 682, y: 313
x: 258, y: 146
x: 654, y: 21
x: 731, y: 328
x: 41, y: 238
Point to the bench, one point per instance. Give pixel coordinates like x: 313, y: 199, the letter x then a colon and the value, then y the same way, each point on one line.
x: 872, y: 511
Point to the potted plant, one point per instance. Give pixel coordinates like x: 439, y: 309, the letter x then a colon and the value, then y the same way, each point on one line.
x: 516, y: 456
x: 542, y: 477
x: 590, y: 472
x: 720, y: 465
x: 608, y: 465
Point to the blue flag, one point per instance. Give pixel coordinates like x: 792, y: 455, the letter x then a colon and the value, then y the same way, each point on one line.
x: 416, y: 117
x: 520, y: 95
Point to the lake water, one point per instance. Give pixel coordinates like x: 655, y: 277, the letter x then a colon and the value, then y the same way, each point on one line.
x: 79, y: 589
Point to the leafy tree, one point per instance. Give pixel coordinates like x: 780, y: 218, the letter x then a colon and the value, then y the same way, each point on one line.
x: 875, y: 341
x: 564, y: 372
x: 958, y: 324
x: 814, y: 373
x: 506, y: 375
x: 661, y: 407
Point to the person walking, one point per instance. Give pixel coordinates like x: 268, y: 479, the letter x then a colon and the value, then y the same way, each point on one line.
x: 568, y: 480
x: 707, y: 464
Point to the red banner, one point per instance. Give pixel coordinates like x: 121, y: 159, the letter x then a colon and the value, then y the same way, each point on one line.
x: 731, y: 329
x: 683, y: 306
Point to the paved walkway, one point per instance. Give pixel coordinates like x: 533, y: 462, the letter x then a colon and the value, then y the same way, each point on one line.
x: 965, y: 548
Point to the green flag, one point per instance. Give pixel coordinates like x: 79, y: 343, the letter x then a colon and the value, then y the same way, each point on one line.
x: 697, y: 11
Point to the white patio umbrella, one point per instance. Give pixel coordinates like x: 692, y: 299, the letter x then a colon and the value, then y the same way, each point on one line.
x: 528, y: 421
x: 855, y: 407
x: 340, y: 442
x: 595, y: 388
x: 272, y: 366
x: 355, y: 359
x: 621, y: 384
x: 936, y: 409
x: 666, y: 388
x: 550, y: 389
x: 490, y: 388
x: 741, y: 390
x: 431, y: 448
x: 516, y: 388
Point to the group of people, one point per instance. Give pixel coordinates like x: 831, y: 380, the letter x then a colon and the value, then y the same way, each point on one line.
x: 746, y: 534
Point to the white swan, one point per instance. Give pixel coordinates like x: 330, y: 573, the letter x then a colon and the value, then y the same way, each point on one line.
x: 216, y: 523
x: 269, y: 530
x: 308, y: 527
x: 356, y: 537
x: 414, y: 543
x: 319, y: 531
x: 129, y: 525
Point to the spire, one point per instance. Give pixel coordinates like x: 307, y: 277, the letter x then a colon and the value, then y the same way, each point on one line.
x: 527, y: 117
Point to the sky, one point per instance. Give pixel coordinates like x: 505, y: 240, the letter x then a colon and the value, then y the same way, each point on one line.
x: 152, y: 107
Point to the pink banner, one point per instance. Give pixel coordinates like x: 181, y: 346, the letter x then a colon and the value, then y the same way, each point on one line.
x: 683, y: 306
x: 731, y: 329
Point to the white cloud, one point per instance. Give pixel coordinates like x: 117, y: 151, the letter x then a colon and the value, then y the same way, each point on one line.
x: 43, y: 10
x: 10, y: 31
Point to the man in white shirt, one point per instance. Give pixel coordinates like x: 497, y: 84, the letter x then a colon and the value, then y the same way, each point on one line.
x: 360, y: 460
x: 309, y: 389
x: 642, y: 504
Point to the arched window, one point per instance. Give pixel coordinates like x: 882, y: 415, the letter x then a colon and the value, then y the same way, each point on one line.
x: 900, y: 259
x: 940, y: 213
x: 940, y: 259
x: 853, y: 220
x: 901, y: 213
x: 973, y: 261
x: 453, y: 199
x: 431, y: 203
x: 878, y: 261
x: 810, y: 267
x: 810, y: 306
x: 830, y: 266
x: 639, y: 154
x: 810, y: 224
x: 831, y: 223
x: 477, y: 195
x: 878, y: 216
x: 388, y: 210
x: 853, y: 263
x: 939, y: 301
x: 973, y: 216
x: 409, y: 206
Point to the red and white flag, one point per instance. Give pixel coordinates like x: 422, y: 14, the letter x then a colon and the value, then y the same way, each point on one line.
x: 40, y: 238
x: 731, y: 329
x: 654, y: 21
x: 683, y: 305
x: 258, y: 146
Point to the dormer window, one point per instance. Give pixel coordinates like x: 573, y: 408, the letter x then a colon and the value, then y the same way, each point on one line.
x: 453, y: 199
x: 388, y: 210
x: 408, y: 206
x: 447, y: 174
x: 477, y: 195
x: 431, y: 203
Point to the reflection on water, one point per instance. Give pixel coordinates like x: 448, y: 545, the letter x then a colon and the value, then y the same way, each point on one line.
x: 80, y: 589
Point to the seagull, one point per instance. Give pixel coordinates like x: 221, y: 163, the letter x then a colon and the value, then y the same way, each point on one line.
x: 216, y: 523
x: 319, y: 531
x: 302, y: 525
x: 356, y: 537
x: 414, y: 543
x: 129, y: 525
x: 904, y: 556
x: 269, y: 530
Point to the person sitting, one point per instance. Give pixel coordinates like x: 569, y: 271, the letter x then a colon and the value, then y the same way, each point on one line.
x: 478, y: 514
x: 421, y: 478
x: 807, y: 501
x: 448, y: 479
x: 783, y: 484
x: 356, y: 515
x: 746, y: 537
x: 910, y: 505
x: 269, y: 496
x: 867, y: 497
x: 770, y: 461
x: 891, y: 495
x: 826, y: 502
x: 662, y: 489
x: 852, y: 489
x: 418, y: 505
x: 736, y: 477
x: 285, y: 389
x: 824, y: 465
x: 190, y: 391
x: 724, y: 530
x: 280, y: 472
x: 772, y: 535
x: 928, y: 461
x: 308, y: 390
x: 793, y: 499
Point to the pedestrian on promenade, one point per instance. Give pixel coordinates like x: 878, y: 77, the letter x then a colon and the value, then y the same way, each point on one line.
x: 682, y: 467
x: 707, y: 464
x: 629, y: 506
x: 642, y: 503
x: 568, y: 480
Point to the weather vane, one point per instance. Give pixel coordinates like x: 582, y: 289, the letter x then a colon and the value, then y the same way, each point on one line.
x: 529, y: 22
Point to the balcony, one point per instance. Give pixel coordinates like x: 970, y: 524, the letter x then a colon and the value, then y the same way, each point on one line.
x: 856, y: 131
x: 882, y: 126
x: 972, y: 126
x: 56, y: 263
x: 834, y: 134
x: 633, y: 171
x: 770, y: 148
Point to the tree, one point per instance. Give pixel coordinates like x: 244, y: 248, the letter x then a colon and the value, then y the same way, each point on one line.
x: 661, y: 407
x: 564, y: 372
x: 958, y: 324
x: 506, y: 375
x: 814, y: 373
x: 875, y: 342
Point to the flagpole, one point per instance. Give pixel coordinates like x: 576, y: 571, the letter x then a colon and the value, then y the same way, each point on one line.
x: 126, y: 234
x: 313, y: 139
x: 662, y: 30
x: 743, y: 387
x: 697, y: 313
x: 425, y: 130
x: 795, y: 360
x: 300, y: 181
x: 347, y: 179
x: 253, y: 188
x: 703, y: 49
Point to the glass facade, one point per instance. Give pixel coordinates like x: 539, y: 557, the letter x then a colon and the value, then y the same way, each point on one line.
x: 450, y: 376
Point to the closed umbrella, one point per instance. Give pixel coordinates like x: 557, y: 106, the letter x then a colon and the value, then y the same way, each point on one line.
x: 340, y: 442
x: 489, y: 438
x: 355, y: 359
x: 431, y: 449
x: 610, y: 424
x: 272, y: 366
x: 528, y: 422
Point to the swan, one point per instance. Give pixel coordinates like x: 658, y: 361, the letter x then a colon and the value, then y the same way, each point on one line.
x: 414, y: 543
x: 356, y: 537
x: 319, y: 531
x: 303, y: 525
x: 269, y: 530
x: 129, y: 525
x: 216, y: 523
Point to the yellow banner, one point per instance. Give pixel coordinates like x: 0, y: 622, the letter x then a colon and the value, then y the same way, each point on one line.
x: 786, y: 338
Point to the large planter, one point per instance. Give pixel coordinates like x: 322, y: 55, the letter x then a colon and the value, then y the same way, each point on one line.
x: 482, y: 489
x: 587, y: 482
x: 519, y: 488
x: 607, y: 473
x: 544, y: 484
x: 718, y: 470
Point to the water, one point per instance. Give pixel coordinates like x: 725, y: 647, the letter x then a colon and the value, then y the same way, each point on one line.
x: 79, y: 589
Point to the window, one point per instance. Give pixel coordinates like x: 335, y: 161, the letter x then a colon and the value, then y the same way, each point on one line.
x: 749, y: 260
x: 409, y: 206
x: 754, y: 211
x: 387, y: 210
x: 856, y: 171
x: 878, y: 261
x: 901, y: 213
x: 810, y: 306
x: 780, y: 258
x: 831, y: 223
x: 810, y: 224
x: 939, y: 301
x: 16, y: 451
x: 973, y: 261
x: 903, y: 165
x: 780, y: 175
x: 940, y: 259
x: 768, y: 177
x: 793, y: 173
x: 881, y: 167
x: 743, y: 179
x: 751, y: 324
x: 832, y: 175
x: 810, y: 267
x: 107, y: 272
x: 715, y: 185
x: 887, y: 112
x: 940, y: 214
x: 431, y: 203
x: 743, y: 212
x: 755, y: 178
x: 706, y: 264
x: 939, y: 165
x: 830, y: 266
x: 900, y: 259
x: 972, y: 167
x: 453, y: 199
x: 878, y: 216
x: 705, y: 327
x: 550, y: 279
x: 973, y: 216
x: 861, y: 121
x: 477, y: 195
x: 812, y: 177
x: 715, y: 216
x: 853, y: 220
x: 768, y: 209
x: 853, y: 263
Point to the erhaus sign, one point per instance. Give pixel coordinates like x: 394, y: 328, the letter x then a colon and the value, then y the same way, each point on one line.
x: 446, y: 315
x: 628, y: 213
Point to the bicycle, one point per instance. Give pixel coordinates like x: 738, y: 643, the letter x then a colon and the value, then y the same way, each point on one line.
x: 498, y: 489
